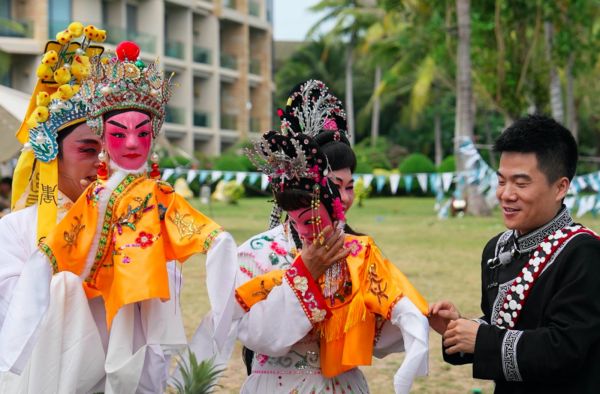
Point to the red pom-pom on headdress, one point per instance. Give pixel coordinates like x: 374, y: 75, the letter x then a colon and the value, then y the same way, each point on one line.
x: 128, y: 50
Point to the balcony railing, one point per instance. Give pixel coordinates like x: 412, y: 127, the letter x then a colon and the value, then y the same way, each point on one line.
x: 229, y: 121
x: 16, y: 28
x: 229, y: 61
x: 255, y: 124
x: 175, y: 115
x: 230, y: 4
x: 202, y: 55
x: 146, y: 42
x: 254, y: 8
x: 201, y: 118
x: 254, y: 66
x: 174, y: 49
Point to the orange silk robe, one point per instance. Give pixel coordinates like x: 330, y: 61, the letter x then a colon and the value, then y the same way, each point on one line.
x: 348, y: 331
x: 122, y: 255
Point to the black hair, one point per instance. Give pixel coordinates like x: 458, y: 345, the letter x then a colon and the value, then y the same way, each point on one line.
x: 114, y: 112
x: 6, y: 180
x: 64, y: 133
x: 553, y: 144
x: 337, y: 149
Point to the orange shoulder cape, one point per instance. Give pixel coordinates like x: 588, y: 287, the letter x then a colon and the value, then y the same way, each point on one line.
x: 122, y: 255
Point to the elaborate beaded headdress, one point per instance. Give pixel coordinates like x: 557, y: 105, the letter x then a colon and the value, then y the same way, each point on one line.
x: 125, y: 82
x: 55, y: 104
x: 311, y: 108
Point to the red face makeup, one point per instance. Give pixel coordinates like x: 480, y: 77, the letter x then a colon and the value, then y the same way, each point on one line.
x: 128, y: 138
x: 303, y: 220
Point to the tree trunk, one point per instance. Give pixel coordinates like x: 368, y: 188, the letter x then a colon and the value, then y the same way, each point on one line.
x: 437, y: 132
x: 571, y: 111
x: 349, y: 92
x: 376, y: 107
x: 555, y: 89
x: 464, y: 103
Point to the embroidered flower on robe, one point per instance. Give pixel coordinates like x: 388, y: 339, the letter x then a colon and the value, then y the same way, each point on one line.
x: 354, y: 246
x: 144, y: 239
x: 301, y: 284
x: 262, y: 358
x: 278, y: 249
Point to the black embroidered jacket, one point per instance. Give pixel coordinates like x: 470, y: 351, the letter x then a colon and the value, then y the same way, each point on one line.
x: 554, y: 347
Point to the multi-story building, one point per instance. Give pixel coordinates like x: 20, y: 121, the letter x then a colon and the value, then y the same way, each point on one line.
x: 219, y: 50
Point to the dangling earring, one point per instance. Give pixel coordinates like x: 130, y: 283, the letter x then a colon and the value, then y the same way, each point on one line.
x: 102, y: 168
x: 155, y: 173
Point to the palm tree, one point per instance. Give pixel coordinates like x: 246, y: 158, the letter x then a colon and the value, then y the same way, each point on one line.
x: 351, y: 18
x: 465, y: 118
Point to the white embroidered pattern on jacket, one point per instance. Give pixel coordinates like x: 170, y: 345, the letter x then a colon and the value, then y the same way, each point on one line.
x: 502, y: 291
x: 509, y: 356
x: 530, y: 241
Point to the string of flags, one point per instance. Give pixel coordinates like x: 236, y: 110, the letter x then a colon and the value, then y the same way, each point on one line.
x: 583, y: 197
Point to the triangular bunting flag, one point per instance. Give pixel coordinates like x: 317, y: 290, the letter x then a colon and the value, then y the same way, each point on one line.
x: 380, y: 183
x: 264, y: 182
x: 367, y: 179
x: 446, y: 181
x: 422, y: 179
x: 227, y: 176
x: 167, y: 173
x: 240, y: 176
x: 408, y: 180
x: 394, y: 182
x: 203, y: 175
x: 216, y: 175
x: 253, y: 177
x: 190, y: 176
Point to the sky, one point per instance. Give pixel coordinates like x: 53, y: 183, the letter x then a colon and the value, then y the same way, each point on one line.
x: 292, y: 19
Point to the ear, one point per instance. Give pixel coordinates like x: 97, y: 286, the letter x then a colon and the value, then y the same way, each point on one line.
x: 562, y: 187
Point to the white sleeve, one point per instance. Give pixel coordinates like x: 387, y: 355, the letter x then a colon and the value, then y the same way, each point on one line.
x: 13, y: 255
x: 25, y: 313
x: 221, y: 271
x: 415, y: 333
x: 390, y: 341
x: 274, y: 324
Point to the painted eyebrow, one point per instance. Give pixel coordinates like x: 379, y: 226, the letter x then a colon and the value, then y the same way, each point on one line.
x: 89, y: 141
x: 143, y: 123
x: 114, y: 122
x: 303, y: 212
x: 337, y: 178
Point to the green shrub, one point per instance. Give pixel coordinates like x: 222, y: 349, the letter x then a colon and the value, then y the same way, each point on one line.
x: 448, y: 164
x: 363, y: 166
x: 174, y: 162
x: 232, y: 162
x: 416, y: 163
x: 361, y: 193
x: 228, y: 191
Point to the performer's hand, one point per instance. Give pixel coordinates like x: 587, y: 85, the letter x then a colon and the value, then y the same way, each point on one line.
x: 460, y: 336
x: 441, y: 314
x: 323, y: 252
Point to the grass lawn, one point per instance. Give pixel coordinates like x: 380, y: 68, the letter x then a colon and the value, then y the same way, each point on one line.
x: 440, y: 257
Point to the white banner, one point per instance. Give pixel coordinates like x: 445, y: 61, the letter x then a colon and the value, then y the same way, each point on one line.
x: 422, y: 179
x: 240, y: 176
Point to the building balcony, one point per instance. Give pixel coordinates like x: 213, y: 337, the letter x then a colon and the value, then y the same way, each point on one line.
x: 201, y: 118
x: 146, y: 42
x: 254, y: 66
x: 174, y: 49
x: 15, y: 28
x: 230, y: 4
x: 202, y: 55
x: 254, y: 8
x: 229, y: 121
x: 255, y: 124
x: 229, y: 61
x: 175, y: 115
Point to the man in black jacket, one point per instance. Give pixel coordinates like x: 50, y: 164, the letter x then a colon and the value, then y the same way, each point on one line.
x: 540, y: 329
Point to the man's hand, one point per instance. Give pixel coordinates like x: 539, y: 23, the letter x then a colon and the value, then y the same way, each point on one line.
x: 441, y: 314
x: 324, y: 251
x: 460, y: 336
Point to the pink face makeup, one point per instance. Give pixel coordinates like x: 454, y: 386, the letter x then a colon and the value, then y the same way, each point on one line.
x: 128, y: 138
x: 303, y: 221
